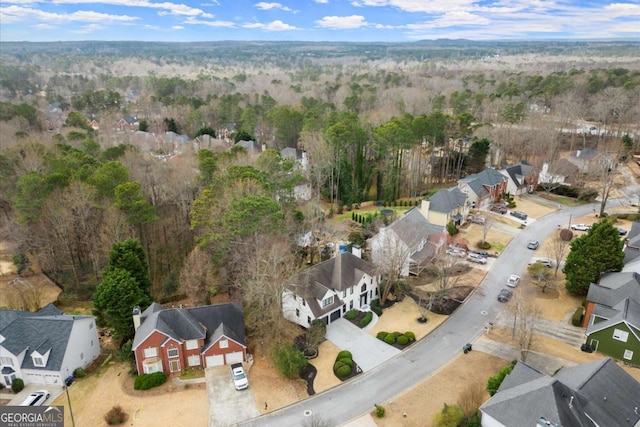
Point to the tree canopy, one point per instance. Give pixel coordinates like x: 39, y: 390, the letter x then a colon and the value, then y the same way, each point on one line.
x: 595, y: 252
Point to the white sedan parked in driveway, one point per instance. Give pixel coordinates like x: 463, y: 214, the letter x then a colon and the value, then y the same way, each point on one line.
x: 513, y: 280
x: 580, y: 227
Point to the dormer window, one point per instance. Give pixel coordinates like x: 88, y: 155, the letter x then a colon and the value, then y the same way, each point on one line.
x: 327, y: 301
x: 38, y: 361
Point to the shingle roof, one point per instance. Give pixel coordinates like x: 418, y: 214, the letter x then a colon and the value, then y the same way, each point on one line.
x: 193, y: 323
x: 291, y: 153
x: 413, y: 228
x: 614, y: 287
x: 337, y: 274
x: 600, y: 389
x: 632, y: 247
x: 627, y: 311
x: 519, y: 171
x: 446, y: 200
x: 41, y: 331
x: 489, y: 177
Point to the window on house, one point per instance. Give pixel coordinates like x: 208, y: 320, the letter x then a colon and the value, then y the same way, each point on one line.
x: 194, y: 360
x: 304, y: 303
x: 327, y: 301
x: 192, y: 344
x: 628, y: 354
x: 309, y: 319
x: 224, y: 343
x: 351, y: 305
x: 363, y: 288
x: 38, y: 361
x: 91, y: 343
x: 91, y: 325
x: 6, y: 361
x: 620, y: 335
x: 297, y: 312
x: 344, y: 293
x: 172, y: 352
x: 81, y: 356
x: 351, y: 290
x: 150, y: 352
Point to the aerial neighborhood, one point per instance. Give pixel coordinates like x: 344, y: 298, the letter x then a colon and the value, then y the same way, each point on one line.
x: 244, y: 245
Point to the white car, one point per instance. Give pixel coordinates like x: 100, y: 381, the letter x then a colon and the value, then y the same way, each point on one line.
x: 240, y: 380
x: 580, y: 227
x: 476, y: 258
x: 36, y: 398
x: 456, y: 252
x: 513, y: 280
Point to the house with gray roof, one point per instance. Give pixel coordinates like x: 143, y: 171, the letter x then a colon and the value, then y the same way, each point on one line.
x: 522, y: 178
x: 329, y: 289
x: 45, y: 347
x: 450, y: 204
x: 171, y: 340
x: 632, y: 249
x: 612, y: 316
x: 589, y: 160
x: 598, y: 393
x: 483, y: 188
x: 408, y: 244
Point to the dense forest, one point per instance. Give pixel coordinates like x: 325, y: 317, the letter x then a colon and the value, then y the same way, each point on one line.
x: 378, y: 122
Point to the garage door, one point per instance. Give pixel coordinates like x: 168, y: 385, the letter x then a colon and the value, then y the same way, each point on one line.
x: 234, y: 357
x: 51, y: 379
x: 215, y: 361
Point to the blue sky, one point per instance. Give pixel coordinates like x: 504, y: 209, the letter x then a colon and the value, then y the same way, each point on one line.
x: 317, y: 20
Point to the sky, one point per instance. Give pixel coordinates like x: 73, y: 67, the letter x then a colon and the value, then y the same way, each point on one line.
x: 317, y: 20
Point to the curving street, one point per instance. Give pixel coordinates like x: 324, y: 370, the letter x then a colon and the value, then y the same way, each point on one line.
x: 389, y: 380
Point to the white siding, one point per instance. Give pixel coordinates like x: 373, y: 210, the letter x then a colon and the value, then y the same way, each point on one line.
x: 82, y: 333
x: 489, y: 421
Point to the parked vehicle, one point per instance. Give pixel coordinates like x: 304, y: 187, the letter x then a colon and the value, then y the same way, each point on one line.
x: 505, y: 295
x: 240, y: 380
x: 481, y: 253
x: 36, y: 398
x: 476, y: 219
x: 621, y: 231
x: 476, y: 258
x: 513, y: 280
x: 580, y: 227
x: 545, y: 261
x: 456, y: 252
x: 520, y: 215
x: 533, y: 244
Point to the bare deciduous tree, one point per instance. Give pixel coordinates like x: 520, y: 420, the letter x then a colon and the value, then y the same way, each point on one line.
x: 197, y: 277
x: 541, y: 275
x: 392, y: 255
x: 471, y: 398
x: 557, y: 250
x: 525, y: 317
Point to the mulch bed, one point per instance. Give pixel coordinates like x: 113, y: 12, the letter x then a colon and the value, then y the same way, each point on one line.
x: 355, y: 370
x: 448, y: 303
x: 308, y: 374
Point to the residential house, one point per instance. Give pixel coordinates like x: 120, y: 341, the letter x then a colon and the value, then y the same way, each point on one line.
x: 128, y: 123
x: 589, y: 160
x: 210, y: 143
x: 483, y: 188
x: 93, y: 121
x: 522, y: 178
x: 598, y: 393
x: 45, y: 347
x: 632, y: 249
x: 252, y: 147
x: 612, y: 316
x: 329, y: 289
x: 446, y: 205
x: 562, y: 172
x: 302, y: 190
x: 171, y: 340
x: 406, y: 244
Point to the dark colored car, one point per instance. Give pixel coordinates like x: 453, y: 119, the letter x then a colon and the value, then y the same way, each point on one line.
x: 519, y: 215
x: 505, y: 295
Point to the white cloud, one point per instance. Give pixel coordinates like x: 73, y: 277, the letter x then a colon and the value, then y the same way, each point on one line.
x: 268, y: 6
x: 271, y: 26
x: 177, y: 27
x: 43, y: 27
x: 18, y: 13
x: 216, y: 24
x: 322, y: 1
x: 152, y: 27
x: 342, y: 22
x: 90, y: 28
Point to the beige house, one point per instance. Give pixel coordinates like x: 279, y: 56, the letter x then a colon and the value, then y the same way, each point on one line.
x: 446, y: 205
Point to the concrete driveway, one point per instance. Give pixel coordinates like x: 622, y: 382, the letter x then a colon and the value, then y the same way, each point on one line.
x: 368, y: 351
x: 227, y: 406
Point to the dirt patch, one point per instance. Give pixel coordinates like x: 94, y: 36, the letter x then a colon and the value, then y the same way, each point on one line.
x: 471, y: 234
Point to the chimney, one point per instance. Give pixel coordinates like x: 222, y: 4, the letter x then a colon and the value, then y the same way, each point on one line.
x: 136, y: 317
x: 356, y: 250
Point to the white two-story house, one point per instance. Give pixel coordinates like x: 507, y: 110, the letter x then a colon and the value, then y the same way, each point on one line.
x: 328, y: 290
x: 45, y: 347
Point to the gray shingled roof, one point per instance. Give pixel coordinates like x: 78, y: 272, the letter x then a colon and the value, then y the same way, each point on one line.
x: 632, y: 249
x: 412, y: 228
x: 626, y: 310
x: 41, y: 331
x: 567, y: 397
x: 519, y: 171
x: 446, y: 200
x: 291, y: 153
x: 614, y: 287
x: 338, y: 273
x: 489, y: 177
x: 203, y: 322
x: 520, y: 374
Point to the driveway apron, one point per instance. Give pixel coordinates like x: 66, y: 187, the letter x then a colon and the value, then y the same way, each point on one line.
x: 368, y: 351
x: 227, y: 406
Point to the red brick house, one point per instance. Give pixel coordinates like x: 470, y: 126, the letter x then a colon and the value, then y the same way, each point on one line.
x: 171, y: 340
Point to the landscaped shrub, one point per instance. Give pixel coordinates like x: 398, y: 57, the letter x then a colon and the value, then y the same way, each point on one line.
x: 381, y: 335
x: 483, y: 245
x: 375, y: 307
x: 380, y: 411
x: 344, y: 354
x: 337, y: 366
x: 115, y: 416
x: 147, y: 381
x: 493, y: 383
x: 396, y: 334
x: 343, y: 371
x: 289, y: 360
x: 366, y: 319
x: 410, y: 335
x: 351, y: 314
x: 346, y: 361
x: 566, y: 235
x: 17, y: 385
x: 390, y: 339
x: 402, y: 340
x: 78, y: 373
x: 576, y: 320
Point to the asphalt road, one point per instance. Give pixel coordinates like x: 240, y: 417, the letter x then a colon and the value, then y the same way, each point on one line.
x: 389, y: 380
